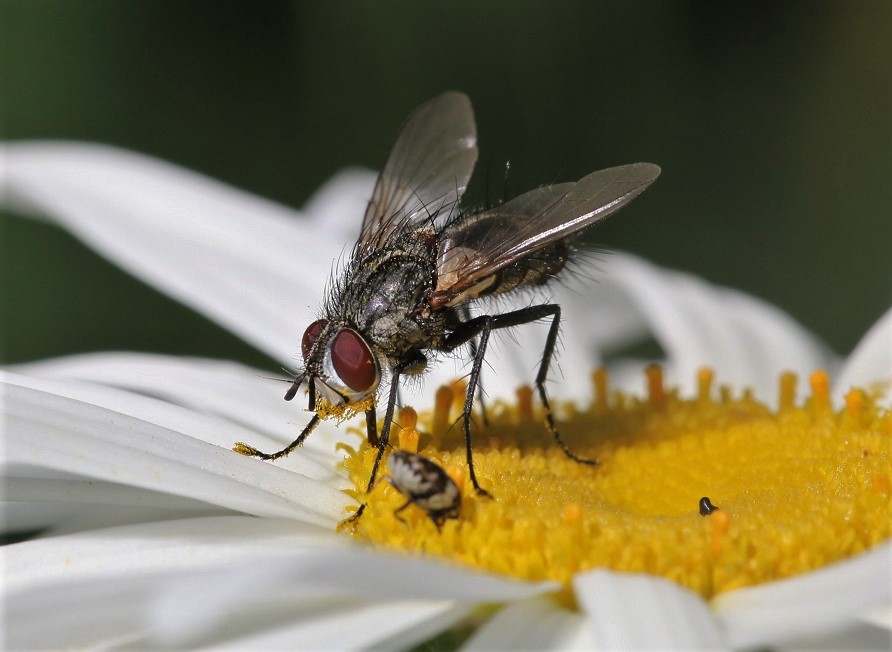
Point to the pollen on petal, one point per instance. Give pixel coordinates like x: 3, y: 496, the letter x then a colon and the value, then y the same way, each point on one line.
x: 795, y: 489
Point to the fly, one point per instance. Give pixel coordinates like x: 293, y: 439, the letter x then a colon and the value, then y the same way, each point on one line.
x: 420, y: 264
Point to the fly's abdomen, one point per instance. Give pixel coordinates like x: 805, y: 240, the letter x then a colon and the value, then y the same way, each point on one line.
x: 536, y: 269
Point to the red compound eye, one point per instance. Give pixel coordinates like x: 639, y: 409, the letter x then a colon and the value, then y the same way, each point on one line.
x: 312, y: 334
x: 353, y: 360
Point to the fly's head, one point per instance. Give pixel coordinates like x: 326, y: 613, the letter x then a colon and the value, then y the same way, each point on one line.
x: 339, y: 366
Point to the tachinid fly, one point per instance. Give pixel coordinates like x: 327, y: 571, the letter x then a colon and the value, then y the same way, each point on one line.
x: 420, y: 263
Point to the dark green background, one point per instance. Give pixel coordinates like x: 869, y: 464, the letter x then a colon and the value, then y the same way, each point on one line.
x: 771, y: 122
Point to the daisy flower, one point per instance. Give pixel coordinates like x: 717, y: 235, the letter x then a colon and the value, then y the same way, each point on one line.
x: 147, y: 530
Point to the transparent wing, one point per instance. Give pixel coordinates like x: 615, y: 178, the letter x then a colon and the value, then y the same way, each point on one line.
x: 474, y: 249
x: 427, y: 171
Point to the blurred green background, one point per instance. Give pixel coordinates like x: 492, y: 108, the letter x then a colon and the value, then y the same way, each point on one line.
x: 771, y: 121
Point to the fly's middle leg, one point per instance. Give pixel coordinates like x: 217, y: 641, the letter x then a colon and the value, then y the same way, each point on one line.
x: 482, y: 326
x: 472, y: 343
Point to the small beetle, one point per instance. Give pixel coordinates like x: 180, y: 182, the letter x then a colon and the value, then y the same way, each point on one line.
x: 706, y: 506
x: 425, y: 484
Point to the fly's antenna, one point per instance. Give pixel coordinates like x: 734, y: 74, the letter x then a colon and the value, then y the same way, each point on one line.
x: 295, y: 385
x: 505, y: 187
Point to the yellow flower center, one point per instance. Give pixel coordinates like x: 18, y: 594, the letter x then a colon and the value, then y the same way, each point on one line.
x: 795, y: 489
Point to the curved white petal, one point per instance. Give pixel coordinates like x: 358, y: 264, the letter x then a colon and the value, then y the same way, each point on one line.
x: 153, y: 548
x: 37, y: 498
x: 629, y: 611
x: 368, y: 625
x: 350, y: 574
x: 748, y: 342
x: 53, y: 432
x: 59, y: 618
x: 539, y: 623
x: 871, y: 361
x: 195, y: 579
x: 812, y: 604
x: 99, y: 587
x: 336, y: 209
x: 856, y: 636
x: 249, y: 400
x: 240, y: 260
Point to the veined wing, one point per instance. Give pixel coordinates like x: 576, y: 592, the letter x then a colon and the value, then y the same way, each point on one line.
x: 473, y: 250
x: 427, y: 171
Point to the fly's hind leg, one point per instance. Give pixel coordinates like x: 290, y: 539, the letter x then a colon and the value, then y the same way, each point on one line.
x: 547, y: 354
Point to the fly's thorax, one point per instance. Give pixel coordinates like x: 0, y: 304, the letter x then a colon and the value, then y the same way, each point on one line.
x: 385, y: 297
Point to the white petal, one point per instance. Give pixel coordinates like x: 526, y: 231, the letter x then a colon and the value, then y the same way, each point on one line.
x: 371, y: 625
x: 536, y: 624
x: 634, y: 612
x: 813, y: 604
x: 880, y: 616
x: 99, y: 587
x: 359, y: 575
x: 251, y: 403
x: 336, y: 209
x: 98, y: 614
x: 871, y: 361
x: 53, y: 432
x: 856, y: 636
x: 249, y: 264
x: 746, y: 341
x: 154, y: 548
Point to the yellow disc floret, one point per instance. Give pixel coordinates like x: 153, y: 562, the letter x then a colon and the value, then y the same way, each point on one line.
x: 794, y: 489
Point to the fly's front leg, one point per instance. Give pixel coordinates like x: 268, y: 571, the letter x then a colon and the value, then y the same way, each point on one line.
x: 250, y: 451
x: 371, y: 426
x: 381, y: 441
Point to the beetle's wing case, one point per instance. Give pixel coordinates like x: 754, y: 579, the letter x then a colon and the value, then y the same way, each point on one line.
x: 427, y: 171
x: 473, y: 249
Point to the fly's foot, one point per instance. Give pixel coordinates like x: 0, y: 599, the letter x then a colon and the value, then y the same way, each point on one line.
x: 483, y: 493
x: 573, y: 456
x: 351, y: 522
x: 249, y: 451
